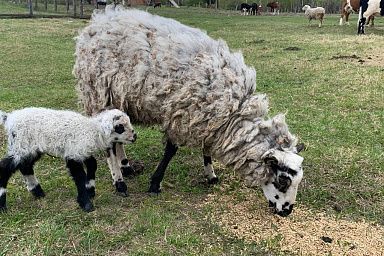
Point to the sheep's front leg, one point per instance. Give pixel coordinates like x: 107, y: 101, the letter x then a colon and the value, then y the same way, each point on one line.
x: 114, y: 166
x: 125, y: 167
x: 208, y: 170
x: 157, y: 177
x: 7, y: 168
x: 80, y: 178
x: 91, y: 165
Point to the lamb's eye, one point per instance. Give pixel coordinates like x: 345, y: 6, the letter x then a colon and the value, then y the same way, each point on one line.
x: 119, y: 129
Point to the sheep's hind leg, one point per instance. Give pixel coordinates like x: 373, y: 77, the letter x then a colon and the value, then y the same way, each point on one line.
x: 91, y: 165
x: 114, y: 166
x: 26, y: 168
x: 78, y: 174
x: 208, y: 170
x: 157, y: 177
x: 7, y: 168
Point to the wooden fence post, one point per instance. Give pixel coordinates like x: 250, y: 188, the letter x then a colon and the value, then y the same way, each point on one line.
x: 30, y: 7
x: 74, y: 8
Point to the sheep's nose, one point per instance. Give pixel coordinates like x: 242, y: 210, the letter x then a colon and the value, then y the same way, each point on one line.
x: 285, y: 212
x: 134, y: 137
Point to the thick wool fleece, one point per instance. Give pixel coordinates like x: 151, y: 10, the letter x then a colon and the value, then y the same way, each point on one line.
x: 163, y: 72
x: 58, y: 132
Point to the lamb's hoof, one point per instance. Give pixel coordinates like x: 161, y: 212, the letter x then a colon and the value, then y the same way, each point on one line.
x: 121, y: 188
x: 91, y: 192
x: 3, y: 209
x: 3, y: 206
x: 154, y: 189
x: 88, y: 207
x: 127, y: 171
x: 214, y: 180
x: 38, y: 192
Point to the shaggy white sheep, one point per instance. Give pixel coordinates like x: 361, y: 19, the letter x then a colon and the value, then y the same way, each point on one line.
x: 316, y: 13
x: 162, y: 72
x: 72, y: 136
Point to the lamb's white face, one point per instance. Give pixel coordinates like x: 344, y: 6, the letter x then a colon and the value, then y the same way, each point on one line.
x: 281, y: 187
x: 119, y: 127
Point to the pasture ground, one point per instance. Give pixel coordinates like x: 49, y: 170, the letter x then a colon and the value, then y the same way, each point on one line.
x: 328, y: 80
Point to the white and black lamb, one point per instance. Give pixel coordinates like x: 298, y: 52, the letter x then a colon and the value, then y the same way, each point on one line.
x: 33, y: 132
x: 162, y: 72
x: 316, y: 13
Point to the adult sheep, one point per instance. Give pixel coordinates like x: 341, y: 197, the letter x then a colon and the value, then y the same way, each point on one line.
x: 162, y: 72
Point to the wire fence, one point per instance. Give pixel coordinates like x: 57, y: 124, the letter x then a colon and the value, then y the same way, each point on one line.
x: 84, y: 8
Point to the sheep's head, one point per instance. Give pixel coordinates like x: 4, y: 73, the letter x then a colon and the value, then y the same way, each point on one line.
x: 285, y: 174
x: 306, y: 7
x: 117, y: 126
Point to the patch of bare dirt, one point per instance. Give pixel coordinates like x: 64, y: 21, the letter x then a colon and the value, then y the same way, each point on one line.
x: 304, y: 232
x: 376, y: 59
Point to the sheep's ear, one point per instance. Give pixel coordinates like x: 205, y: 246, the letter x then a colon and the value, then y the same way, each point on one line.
x: 106, y: 126
x: 300, y: 148
x: 269, y: 158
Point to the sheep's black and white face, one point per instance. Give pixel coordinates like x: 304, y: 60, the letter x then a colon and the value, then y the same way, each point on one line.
x: 281, y: 187
x: 119, y: 126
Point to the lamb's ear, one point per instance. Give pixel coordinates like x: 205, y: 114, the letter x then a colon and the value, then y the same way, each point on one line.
x: 106, y: 125
x: 300, y: 147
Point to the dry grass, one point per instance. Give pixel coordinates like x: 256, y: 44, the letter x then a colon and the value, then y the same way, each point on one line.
x: 305, y: 232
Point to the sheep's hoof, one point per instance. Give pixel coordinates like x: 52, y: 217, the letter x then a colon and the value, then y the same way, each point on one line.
x: 88, y: 207
x: 121, y: 188
x: 214, y: 180
x: 38, y: 192
x: 127, y: 171
x: 91, y: 192
x: 154, y: 189
x: 3, y: 209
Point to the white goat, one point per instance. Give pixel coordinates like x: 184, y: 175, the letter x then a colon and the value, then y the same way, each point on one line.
x: 162, y: 72
x: 72, y: 136
x: 314, y: 13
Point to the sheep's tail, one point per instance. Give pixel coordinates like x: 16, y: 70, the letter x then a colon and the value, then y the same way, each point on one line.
x: 3, y: 117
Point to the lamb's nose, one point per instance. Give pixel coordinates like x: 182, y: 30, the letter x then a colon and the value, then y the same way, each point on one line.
x: 134, y: 137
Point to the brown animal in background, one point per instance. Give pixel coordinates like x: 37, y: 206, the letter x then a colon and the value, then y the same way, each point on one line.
x: 349, y: 6
x: 275, y: 7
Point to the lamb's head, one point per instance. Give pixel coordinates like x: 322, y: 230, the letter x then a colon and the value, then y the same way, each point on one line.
x: 284, y: 175
x: 116, y: 126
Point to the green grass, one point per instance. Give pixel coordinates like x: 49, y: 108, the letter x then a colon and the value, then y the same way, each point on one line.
x: 335, y: 105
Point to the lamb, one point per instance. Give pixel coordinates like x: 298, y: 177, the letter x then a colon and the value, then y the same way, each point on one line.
x: 201, y: 94
x: 368, y: 8
x: 33, y: 132
x: 314, y: 13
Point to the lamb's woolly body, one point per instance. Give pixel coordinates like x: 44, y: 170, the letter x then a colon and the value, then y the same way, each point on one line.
x: 313, y: 13
x: 316, y: 13
x: 58, y: 132
x: 161, y: 71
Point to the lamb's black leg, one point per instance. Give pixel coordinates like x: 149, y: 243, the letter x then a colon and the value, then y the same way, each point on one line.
x: 91, y: 165
x: 157, y: 177
x: 26, y: 168
x: 78, y: 174
x: 7, y: 168
x: 208, y: 170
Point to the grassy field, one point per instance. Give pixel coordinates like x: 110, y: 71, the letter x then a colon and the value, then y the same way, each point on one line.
x: 329, y: 82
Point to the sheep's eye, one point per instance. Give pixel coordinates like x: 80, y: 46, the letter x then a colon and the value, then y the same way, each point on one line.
x: 119, y: 129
